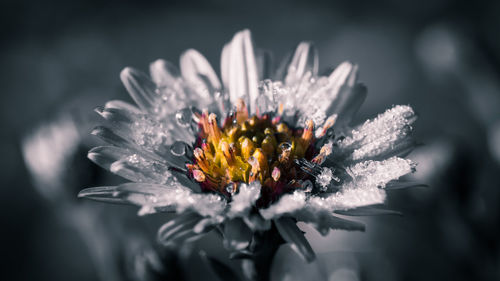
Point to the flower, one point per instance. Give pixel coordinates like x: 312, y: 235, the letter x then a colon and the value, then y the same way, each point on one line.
x: 250, y: 154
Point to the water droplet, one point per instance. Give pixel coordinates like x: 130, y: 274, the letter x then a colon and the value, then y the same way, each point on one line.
x: 178, y: 148
x: 285, y: 146
x: 230, y: 188
x: 183, y: 117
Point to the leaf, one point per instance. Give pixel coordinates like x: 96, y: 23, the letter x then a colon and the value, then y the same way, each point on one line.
x: 291, y: 233
x: 373, y: 210
x: 404, y: 184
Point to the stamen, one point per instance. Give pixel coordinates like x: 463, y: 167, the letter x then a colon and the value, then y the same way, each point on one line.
x: 198, y: 175
x: 215, y: 133
x: 228, y: 152
x: 308, y: 133
x: 328, y: 124
x: 276, y: 174
x: 246, y: 149
x: 241, y: 111
x: 323, y: 153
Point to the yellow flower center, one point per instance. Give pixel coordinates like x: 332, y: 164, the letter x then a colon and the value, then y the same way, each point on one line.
x: 246, y: 149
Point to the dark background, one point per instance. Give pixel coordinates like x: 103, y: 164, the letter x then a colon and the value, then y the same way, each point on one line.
x: 442, y: 57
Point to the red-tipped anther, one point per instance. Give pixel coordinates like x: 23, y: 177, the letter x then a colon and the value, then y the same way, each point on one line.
x: 214, y: 130
x: 281, y: 109
x: 328, y: 124
x: 206, y: 147
x: 199, y: 176
x: 323, y: 153
x: 241, y: 111
x: 228, y: 152
x: 201, y: 160
x: 276, y: 174
x: 255, y: 168
x: 307, y: 134
x: 204, y: 122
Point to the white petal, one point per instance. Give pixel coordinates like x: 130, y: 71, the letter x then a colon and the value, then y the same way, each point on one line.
x: 345, y: 75
x: 323, y: 221
x: 163, y: 72
x: 199, y: 73
x: 139, y: 169
x: 379, y: 173
x: 388, y: 131
x: 304, y: 60
x: 264, y: 62
x: 118, y: 104
x: 287, y: 204
x: 244, y: 200
x: 349, y: 198
x: 239, y: 69
x: 140, y: 88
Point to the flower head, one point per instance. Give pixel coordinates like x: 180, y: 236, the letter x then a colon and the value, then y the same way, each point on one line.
x: 250, y: 152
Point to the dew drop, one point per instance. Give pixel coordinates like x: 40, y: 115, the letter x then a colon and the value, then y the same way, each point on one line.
x: 183, y: 117
x: 284, y: 146
x: 230, y: 188
x: 178, y: 148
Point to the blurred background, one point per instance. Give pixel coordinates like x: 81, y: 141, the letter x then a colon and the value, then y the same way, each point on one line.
x: 61, y: 59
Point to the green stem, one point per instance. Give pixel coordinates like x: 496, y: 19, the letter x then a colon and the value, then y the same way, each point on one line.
x: 264, y: 247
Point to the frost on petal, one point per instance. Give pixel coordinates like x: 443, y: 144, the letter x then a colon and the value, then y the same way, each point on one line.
x: 365, y: 188
x: 139, y: 169
x: 350, y: 197
x: 379, y: 173
x: 198, y: 72
x: 156, y: 197
x: 244, y: 200
x: 324, y: 178
x: 288, y: 204
x: 389, y: 132
x: 130, y: 165
x: 209, y: 205
x: 141, y: 132
x: 239, y: 69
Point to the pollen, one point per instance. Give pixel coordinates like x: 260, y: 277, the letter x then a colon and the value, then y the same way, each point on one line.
x: 247, y: 149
